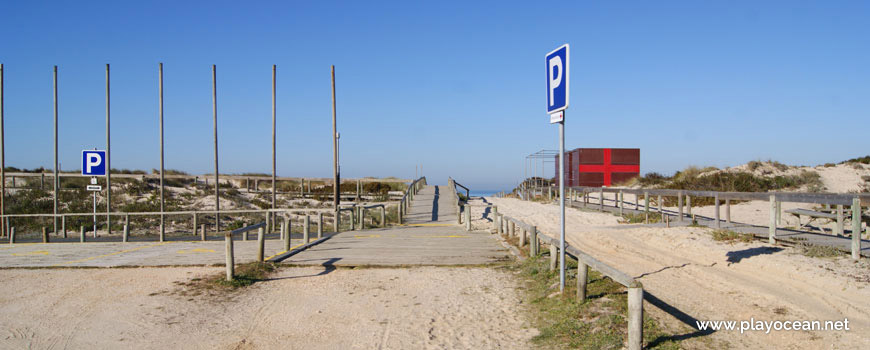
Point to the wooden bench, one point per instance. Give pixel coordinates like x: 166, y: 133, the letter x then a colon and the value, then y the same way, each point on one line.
x: 832, y: 216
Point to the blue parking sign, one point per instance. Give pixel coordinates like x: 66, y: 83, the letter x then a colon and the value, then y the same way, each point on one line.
x: 93, y: 163
x: 557, y: 79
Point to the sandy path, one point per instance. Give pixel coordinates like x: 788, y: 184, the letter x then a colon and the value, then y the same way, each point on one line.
x: 716, y: 281
x: 303, y: 308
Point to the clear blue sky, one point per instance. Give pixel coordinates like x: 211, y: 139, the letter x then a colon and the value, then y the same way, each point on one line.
x: 457, y: 86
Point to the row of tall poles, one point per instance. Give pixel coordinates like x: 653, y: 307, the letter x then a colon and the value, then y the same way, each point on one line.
x: 3, y: 227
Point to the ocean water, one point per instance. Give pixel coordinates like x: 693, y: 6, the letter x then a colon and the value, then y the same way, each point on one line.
x: 485, y: 193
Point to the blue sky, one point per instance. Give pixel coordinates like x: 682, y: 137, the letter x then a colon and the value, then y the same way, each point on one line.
x: 456, y: 86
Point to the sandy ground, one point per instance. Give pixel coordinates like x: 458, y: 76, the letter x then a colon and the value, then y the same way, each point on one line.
x: 717, y: 281
x: 301, y: 308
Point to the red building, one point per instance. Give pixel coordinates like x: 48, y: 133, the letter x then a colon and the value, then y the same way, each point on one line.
x: 596, y: 167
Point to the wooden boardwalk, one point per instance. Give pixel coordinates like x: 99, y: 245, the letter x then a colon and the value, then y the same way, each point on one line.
x: 429, y: 237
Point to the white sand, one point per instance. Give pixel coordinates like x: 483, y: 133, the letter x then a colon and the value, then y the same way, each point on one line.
x: 417, y: 308
x: 688, y: 270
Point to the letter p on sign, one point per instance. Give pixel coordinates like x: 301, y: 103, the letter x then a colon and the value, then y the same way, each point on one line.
x: 93, y: 163
x: 557, y: 79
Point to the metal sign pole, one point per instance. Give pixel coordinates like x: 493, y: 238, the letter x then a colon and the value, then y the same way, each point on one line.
x: 95, y: 209
x: 562, y: 204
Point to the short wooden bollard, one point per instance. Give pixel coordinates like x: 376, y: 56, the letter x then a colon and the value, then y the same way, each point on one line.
x: 498, y: 223
x: 288, y: 229
x: 495, y: 218
x: 362, y: 219
x: 44, y: 235
x: 513, y: 229
x: 582, y: 279
x: 635, y: 317
x: 352, y: 221
x: 771, y: 230
x: 202, y: 231
x: 554, y: 256
x: 383, y: 220
x: 261, y: 244
x: 82, y: 234
x: 195, y: 224
x: 856, y: 228
x: 12, y: 235
x: 320, y: 224
x: 468, y: 217
x: 522, y: 237
x: 228, y: 238
x: 126, y: 233
x: 398, y: 214
x: 621, y: 203
x: 63, y: 225
x: 840, y: 225
x: 534, y: 243
x: 305, y: 228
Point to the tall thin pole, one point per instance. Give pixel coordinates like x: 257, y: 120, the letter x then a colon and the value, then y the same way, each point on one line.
x: 562, y: 204
x: 274, y: 155
x: 2, y: 162
x: 217, y: 195
x: 108, y: 160
x: 56, y: 182
x: 160, y: 113
x: 336, y: 184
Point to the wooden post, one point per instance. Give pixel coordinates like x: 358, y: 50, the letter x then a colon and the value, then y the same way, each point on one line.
x: 689, y: 205
x: 383, y: 216
x: 261, y: 244
x: 230, y: 263
x: 81, y: 236
x: 12, y: 235
x: 680, y: 205
x: 601, y: 199
x: 582, y: 279
x: 498, y: 223
x: 320, y: 225
x: 856, y: 228
x: 646, y: 206
x: 554, y: 256
x: 63, y: 225
x: 288, y: 230
x: 202, y: 232
x: 533, y: 241
x: 839, y: 219
x: 495, y: 218
x: 771, y: 232
x: 523, y: 237
x: 635, y: 317
x: 305, y: 228
x: 513, y: 229
x: 44, y: 235
x: 126, y: 233
x: 621, y: 203
x: 245, y: 234
x: 728, y: 210
x: 716, y: 199
x: 468, y: 217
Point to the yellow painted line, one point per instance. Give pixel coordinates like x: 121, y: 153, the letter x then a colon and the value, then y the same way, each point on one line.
x: 366, y: 236
x: 291, y: 248
x: 35, y: 252
x: 110, y: 254
x: 195, y: 250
